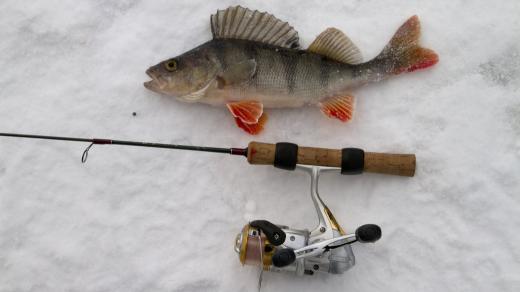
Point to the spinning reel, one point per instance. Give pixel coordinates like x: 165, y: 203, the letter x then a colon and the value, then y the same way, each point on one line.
x: 324, y: 249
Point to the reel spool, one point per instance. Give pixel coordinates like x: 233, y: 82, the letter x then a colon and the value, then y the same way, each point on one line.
x: 325, y: 249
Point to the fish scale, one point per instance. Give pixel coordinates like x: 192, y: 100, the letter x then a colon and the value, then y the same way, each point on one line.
x: 275, y: 71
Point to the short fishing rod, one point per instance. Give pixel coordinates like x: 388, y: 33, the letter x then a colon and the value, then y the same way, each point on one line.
x: 282, y: 155
x: 279, y: 248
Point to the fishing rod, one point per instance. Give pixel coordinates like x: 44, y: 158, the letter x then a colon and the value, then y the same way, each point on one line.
x: 282, y: 155
x: 327, y: 248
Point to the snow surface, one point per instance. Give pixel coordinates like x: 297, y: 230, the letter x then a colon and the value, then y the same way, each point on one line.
x: 158, y: 220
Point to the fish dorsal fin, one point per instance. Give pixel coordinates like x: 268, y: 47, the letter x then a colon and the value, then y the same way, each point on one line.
x: 336, y: 45
x: 245, y: 24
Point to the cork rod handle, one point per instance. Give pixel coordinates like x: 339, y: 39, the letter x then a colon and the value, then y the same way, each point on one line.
x: 278, y: 154
x: 387, y: 163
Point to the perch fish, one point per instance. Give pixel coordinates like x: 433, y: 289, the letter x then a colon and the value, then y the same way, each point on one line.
x: 255, y: 61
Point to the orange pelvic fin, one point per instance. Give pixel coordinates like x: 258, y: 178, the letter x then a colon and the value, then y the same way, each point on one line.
x: 249, y: 112
x: 252, y: 129
x: 339, y: 107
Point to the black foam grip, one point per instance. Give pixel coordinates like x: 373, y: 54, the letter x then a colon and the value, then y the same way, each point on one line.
x: 286, y: 155
x: 274, y: 234
x: 352, y: 160
x: 283, y: 257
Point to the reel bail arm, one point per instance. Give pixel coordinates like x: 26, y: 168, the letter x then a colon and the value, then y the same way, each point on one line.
x: 274, y: 234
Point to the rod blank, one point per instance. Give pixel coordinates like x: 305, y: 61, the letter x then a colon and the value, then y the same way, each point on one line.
x: 97, y: 141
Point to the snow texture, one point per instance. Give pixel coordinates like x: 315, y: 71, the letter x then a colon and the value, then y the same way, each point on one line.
x: 134, y: 219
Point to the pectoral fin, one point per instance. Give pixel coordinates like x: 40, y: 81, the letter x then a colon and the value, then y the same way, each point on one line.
x: 237, y: 73
x: 339, y: 107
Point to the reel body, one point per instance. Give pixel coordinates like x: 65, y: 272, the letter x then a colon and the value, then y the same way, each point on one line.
x: 254, y: 248
x: 325, y: 249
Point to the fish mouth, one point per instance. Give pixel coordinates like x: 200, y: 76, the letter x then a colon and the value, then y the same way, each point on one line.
x: 157, y: 83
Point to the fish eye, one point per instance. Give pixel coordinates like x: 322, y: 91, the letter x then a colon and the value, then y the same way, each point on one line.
x: 171, y: 65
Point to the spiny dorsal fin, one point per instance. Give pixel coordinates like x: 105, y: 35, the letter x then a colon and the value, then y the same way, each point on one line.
x: 336, y: 45
x: 242, y: 23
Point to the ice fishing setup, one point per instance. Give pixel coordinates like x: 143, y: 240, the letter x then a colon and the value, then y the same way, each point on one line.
x: 255, y: 61
x: 273, y: 247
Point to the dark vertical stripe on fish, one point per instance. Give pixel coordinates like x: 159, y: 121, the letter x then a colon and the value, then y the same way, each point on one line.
x: 220, y: 52
x: 252, y: 54
x: 289, y: 65
x: 324, y: 73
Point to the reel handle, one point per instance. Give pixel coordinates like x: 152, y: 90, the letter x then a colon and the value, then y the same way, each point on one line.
x: 368, y: 233
x: 350, y: 160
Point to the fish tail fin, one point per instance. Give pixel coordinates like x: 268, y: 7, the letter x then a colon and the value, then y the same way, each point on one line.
x: 403, y: 53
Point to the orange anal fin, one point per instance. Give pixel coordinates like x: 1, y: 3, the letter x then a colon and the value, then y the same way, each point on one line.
x: 249, y: 112
x: 339, y: 107
x: 252, y: 129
